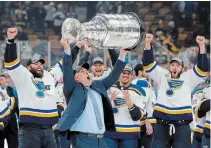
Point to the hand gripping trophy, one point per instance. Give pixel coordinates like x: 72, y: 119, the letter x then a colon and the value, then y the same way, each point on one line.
x: 114, y: 31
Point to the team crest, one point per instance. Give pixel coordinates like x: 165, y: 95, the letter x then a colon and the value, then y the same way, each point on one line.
x: 118, y: 102
x: 173, y: 85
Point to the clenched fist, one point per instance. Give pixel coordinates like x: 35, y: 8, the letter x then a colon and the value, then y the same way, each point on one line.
x: 201, y: 41
x: 65, y: 43
x: 149, y: 37
x: 11, y: 33
x: 148, y: 40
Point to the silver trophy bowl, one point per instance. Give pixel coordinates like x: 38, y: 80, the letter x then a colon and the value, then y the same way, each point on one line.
x: 113, y: 31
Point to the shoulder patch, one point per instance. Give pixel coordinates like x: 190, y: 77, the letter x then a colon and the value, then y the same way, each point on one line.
x: 196, y: 91
x: 137, y: 89
x: 142, y: 83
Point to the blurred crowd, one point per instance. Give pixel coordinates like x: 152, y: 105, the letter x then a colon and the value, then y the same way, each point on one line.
x: 174, y: 24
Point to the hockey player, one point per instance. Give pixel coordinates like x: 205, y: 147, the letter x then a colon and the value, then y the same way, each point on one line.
x: 4, y: 111
x: 197, y: 96
x: 38, y: 97
x: 99, y: 70
x: 147, y: 125
x: 173, y: 109
x: 203, y: 110
x: 10, y: 129
x: 128, y: 102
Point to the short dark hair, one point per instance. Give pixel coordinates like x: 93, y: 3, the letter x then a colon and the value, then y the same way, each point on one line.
x: 138, y: 67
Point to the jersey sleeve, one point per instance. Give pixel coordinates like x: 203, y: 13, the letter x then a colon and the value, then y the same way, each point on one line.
x: 16, y: 71
x: 139, y: 100
x: 57, y: 71
x: 198, y: 72
x: 150, y: 65
x: 4, y: 111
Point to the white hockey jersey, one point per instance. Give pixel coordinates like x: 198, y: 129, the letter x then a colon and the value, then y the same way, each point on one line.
x: 150, y: 94
x: 106, y: 72
x: 207, y: 117
x: 126, y: 127
x: 197, y: 96
x: 174, y: 95
x: 5, y: 107
x: 37, y: 96
x: 57, y: 73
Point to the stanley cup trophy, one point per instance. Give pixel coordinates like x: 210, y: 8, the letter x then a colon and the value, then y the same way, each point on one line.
x: 113, y: 31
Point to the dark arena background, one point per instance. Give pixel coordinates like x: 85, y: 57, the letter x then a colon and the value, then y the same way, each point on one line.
x: 174, y: 24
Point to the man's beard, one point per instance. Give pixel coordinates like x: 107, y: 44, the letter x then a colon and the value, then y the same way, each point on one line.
x: 36, y: 74
x: 177, y: 76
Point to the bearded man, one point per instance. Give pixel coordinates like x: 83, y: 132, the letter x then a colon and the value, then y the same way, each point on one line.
x: 173, y: 108
x: 37, y: 94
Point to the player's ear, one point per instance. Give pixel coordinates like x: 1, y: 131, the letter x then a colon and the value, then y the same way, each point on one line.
x: 183, y: 69
x: 28, y: 67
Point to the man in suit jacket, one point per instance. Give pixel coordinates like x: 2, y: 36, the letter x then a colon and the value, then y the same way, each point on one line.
x: 89, y: 112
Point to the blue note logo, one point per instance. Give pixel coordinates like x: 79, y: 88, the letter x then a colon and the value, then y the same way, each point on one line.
x: 118, y: 102
x: 39, y: 84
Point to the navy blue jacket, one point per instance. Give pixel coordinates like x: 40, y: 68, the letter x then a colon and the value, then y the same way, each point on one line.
x: 76, y: 95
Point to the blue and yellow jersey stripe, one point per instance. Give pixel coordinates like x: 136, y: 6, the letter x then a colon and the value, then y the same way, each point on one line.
x: 12, y: 65
x: 150, y: 67
x: 199, y: 72
x: 198, y: 129
x: 38, y: 112
x: 177, y: 110
x: 198, y: 107
x: 5, y: 112
x: 207, y: 124
x: 1, y: 126
x: 127, y: 128
x: 60, y: 107
x: 142, y: 113
x: 60, y: 104
x: 151, y: 121
x: 170, y: 113
x: 12, y: 103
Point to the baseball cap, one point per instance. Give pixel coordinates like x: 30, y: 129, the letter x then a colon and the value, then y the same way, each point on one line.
x: 35, y: 59
x: 98, y: 60
x: 178, y: 60
x: 128, y: 68
x: 3, y: 72
x: 84, y: 65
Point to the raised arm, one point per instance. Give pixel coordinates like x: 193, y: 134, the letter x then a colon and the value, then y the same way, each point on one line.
x: 57, y: 70
x: 87, y: 53
x: 200, y: 70
x: 204, y: 106
x: 16, y: 71
x: 114, y: 56
x: 113, y: 77
x: 150, y: 65
x: 69, y: 81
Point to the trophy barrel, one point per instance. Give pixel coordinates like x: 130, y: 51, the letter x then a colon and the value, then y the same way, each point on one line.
x: 113, y: 31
